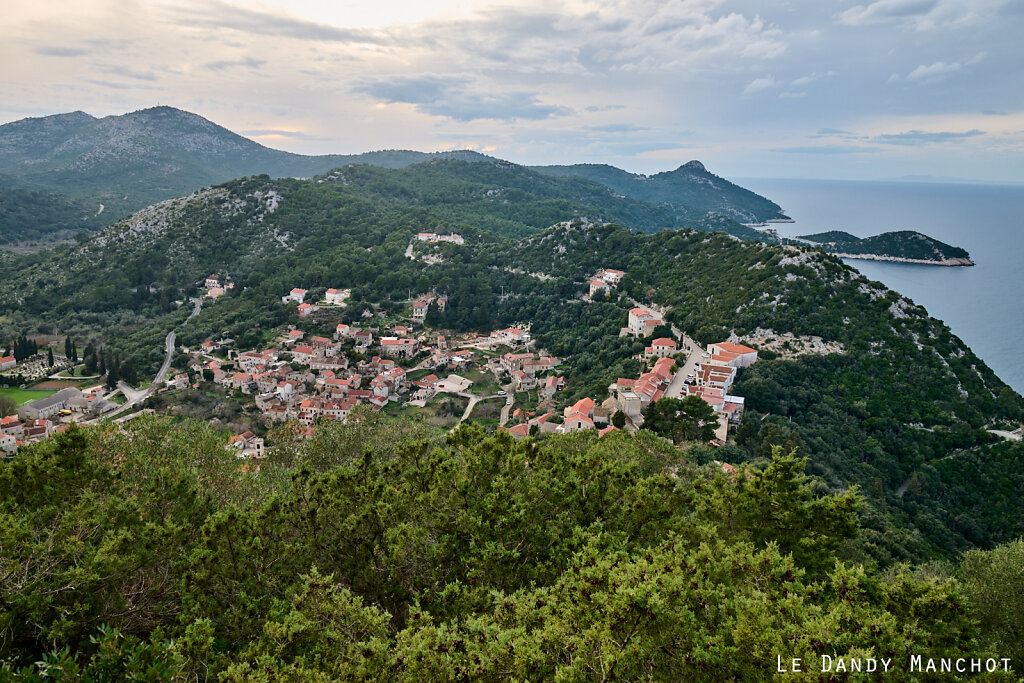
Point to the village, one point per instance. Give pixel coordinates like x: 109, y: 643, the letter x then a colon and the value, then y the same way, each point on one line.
x: 396, y: 364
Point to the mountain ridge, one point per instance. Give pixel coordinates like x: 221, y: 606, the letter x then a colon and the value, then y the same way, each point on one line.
x: 129, y: 161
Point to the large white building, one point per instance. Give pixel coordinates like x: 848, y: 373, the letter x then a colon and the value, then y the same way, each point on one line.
x: 642, y: 322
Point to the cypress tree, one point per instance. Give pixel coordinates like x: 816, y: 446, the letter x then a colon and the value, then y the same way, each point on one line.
x: 49, y: 356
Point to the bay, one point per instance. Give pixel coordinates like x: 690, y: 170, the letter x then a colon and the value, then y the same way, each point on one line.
x: 981, y: 304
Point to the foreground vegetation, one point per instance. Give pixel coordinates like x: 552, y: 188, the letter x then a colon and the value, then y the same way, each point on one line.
x: 389, y: 551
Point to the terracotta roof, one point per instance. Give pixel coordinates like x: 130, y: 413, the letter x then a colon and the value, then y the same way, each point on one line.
x: 729, y: 347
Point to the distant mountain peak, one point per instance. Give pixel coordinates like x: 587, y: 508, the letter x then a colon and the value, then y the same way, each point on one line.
x: 693, y: 165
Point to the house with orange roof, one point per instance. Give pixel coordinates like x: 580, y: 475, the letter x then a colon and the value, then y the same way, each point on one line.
x: 662, y: 347
x: 336, y: 297
x: 606, y: 430
x: 297, y: 295
x: 306, y: 310
x: 8, y: 362
x: 551, y: 385
x: 584, y: 406
x: 642, y: 322
x: 247, y: 445
x: 419, y: 309
x: 12, y: 426
x: 519, y: 431
x: 599, y: 286
x: 576, y: 422
x: 611, y: 276
x: 510, y: 335
x: 394, y: 347
x: 745, y: 356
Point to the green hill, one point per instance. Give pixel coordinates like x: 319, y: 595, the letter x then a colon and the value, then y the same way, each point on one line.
x: 131, y: 161
x: 691, y: 185
x: 383, y: 545
x: 899, y: 245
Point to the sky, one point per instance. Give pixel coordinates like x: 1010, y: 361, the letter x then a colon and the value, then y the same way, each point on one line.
x: 845, y: 89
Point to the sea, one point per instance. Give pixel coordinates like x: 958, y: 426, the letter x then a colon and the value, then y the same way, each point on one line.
x: 982, y: 304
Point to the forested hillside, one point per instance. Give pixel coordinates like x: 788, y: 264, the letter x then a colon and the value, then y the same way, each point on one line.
x: 894, y: 413
x: 384, y: 546
x: 371, y: 552
x: 31, y: 216
x: 691, y: 185
x: 902, y: 244
x: 131, y: 161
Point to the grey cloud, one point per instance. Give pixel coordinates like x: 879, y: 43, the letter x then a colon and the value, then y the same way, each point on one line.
x: 759, y: 84
x: 223, y: 64
x: 60, y: 51
x: 993, y: 112
x: 922, y: 15
x: 617, y: 128
x: 452, y: 98
x: 883, y: 11
x: 120, y: 86
x: 920, y: 137
x: 222, y: 15
x: 825, y: 149
x: 606, y: 107
x: 933, y: 71
x: 833, y: 131
x: 119, y: 70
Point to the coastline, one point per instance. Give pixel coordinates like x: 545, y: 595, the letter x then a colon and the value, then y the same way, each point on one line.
x: 950, y: 262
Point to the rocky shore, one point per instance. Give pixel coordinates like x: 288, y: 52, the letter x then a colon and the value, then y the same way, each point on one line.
x: 896, y: 259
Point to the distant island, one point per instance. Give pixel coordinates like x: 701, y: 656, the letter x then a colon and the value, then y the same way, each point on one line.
x: 902, y: 246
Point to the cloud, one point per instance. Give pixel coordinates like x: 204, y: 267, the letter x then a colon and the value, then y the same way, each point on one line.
x: 825, y: 149
x: 273, y: 132
x: 759, y: 84
x: 833, y: 132
x: 994, y: 112
x: 453, y: 98
x: 61, y: 51
x: 883, y: 11
x: 617, y: 128
x: 922, y: 15
x: 223, y: 64
x: 933, y: 72
x: 120, y: 86
x: 920, y: 137
x: 120, y: 70
x: 804, y: 80
x: 221, y: 15
x: 937, y: 71
x: 606, y: 107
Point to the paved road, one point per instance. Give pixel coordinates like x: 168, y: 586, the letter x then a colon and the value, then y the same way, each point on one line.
x: 136, y: 397
x: 678, y: 386
x: 169, y: 341
x: 195, y: 311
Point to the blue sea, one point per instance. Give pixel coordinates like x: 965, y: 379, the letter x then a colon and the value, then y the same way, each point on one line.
x: 982, y: 304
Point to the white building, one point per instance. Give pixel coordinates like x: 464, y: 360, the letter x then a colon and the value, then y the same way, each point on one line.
x: 642, y: 322
x: 337, y: 297
x: 297, y: 295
